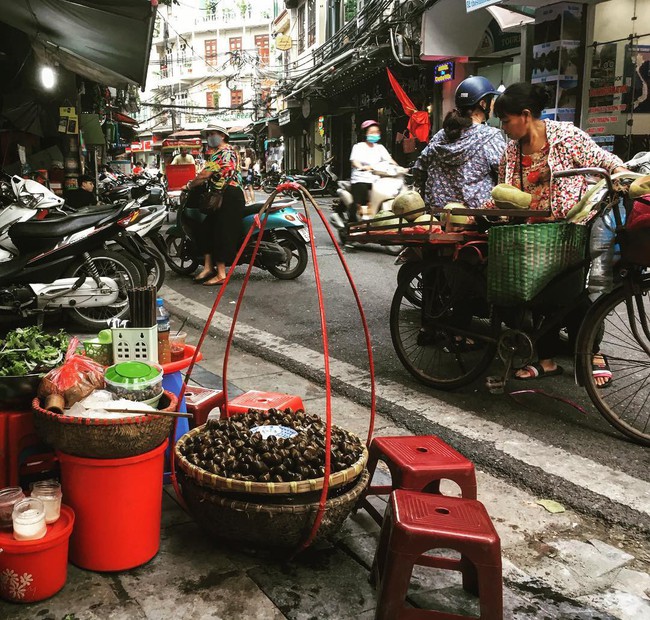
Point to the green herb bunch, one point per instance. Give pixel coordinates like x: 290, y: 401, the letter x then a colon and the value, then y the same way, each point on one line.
x: 29, y: 350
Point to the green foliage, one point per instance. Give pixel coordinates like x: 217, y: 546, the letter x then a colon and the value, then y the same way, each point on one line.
x: 28, y: 350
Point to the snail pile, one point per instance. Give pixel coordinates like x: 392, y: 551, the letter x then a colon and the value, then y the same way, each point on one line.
x: 229, y: 449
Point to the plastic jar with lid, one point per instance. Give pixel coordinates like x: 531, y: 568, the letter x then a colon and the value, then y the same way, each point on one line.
x: 29, y: 519
x: 8, y: 498
x: 49, y: 492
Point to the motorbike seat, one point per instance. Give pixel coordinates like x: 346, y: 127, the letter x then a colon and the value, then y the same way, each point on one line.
x: 62, y: 226
x: 254, y: 207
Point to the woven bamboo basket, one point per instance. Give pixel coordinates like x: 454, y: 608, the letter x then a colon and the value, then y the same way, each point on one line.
x: 266, y: 525
x: 104, y: 439
x: 212, y: 481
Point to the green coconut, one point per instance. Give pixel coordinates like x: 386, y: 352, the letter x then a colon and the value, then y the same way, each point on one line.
x: 426, y: 219
x: 385, y: 218
x: 408, y: 204
x: 509, y: 197
x: 457, y: 219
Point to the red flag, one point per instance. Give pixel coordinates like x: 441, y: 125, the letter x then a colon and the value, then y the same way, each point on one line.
x: 419, y: 122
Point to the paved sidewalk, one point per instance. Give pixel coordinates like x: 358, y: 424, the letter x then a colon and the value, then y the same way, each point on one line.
x: 555, y: 565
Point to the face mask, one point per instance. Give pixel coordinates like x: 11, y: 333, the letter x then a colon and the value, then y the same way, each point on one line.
x: 374, y: 137
x: 214, y: 141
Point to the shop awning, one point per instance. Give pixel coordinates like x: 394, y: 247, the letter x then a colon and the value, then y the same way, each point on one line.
x: 107, y: 41
x: 449, y: 31
x: 119, y: 117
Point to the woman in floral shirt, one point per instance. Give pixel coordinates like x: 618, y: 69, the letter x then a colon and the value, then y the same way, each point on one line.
x: 537, y: 151
x: 221, y: 230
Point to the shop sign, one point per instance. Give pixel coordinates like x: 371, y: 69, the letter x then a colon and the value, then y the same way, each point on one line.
x: 321, y: 126
x: 283, y: 42
x: 475, y: 5
x: 443, y: 72
x: 284, y: 118
x: 143, y: 145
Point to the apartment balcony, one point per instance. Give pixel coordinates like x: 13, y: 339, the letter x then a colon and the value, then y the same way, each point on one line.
x: 231, y: 19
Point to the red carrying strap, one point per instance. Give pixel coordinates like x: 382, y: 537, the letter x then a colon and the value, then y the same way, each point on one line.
x: 260, y: 222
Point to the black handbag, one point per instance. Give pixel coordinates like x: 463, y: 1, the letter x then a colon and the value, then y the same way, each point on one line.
x: 210, y: 201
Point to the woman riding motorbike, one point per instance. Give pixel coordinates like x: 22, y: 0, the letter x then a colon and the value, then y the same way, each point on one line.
x: 539, y: 149
x: 221, y: 230
x: 460, y: 162
x: 365, y: 157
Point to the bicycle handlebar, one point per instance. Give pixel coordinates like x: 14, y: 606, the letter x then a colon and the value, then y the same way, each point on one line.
x: 598, y: 172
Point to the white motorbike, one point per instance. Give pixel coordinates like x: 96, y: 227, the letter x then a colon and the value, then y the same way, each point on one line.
x: 393, y: 181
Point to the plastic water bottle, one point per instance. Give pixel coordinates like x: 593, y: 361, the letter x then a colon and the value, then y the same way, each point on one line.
x: 604, y: 253
x: 164, y: 327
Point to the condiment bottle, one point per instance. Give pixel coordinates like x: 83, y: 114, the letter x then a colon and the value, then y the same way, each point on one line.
x: 8, y: 498
x: 49, y: 492
x: 164, y: 327
x: 29, y: 519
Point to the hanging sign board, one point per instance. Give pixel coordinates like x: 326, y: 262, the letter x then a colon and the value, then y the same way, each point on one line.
x: 443, y: 72
x: 284, y: 118
x: 475, y: 5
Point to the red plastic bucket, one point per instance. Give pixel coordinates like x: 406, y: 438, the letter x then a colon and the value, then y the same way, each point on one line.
x: 118, y: 503
x: 33, y: 570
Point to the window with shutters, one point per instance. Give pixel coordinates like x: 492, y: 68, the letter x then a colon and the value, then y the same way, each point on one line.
x: 311, y: 22
x: 262, y: 45
x: 210, y: 50
x: 301, y: 29
x: 235, y: 49
x: 236, y: 98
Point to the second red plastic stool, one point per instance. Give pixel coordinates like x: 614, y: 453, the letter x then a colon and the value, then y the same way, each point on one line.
x: 262, y: 401
x: 417, y: 463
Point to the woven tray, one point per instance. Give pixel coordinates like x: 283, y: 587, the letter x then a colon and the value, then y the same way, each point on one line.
x: 266, y: 525
x: 212, y: 481
x: 104, y: 439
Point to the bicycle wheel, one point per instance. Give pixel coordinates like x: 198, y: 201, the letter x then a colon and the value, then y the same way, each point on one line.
x: 442, y: 336
x: 610, y: 327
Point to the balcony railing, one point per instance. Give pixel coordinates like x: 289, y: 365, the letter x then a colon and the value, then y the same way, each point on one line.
x: 227, y: 17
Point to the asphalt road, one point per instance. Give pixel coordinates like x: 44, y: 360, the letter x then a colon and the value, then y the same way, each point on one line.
x: 289, y: 310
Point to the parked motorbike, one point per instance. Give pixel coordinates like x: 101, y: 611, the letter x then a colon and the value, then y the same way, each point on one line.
x: 392, y: 182
x: 62, y: 264
x: 319, y: 180
x: 282, y: 251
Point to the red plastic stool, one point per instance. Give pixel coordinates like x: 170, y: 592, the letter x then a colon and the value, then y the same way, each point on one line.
x: 23, y: 450
x: 417, y: 463
x: 200, y: 402
x: 419, y: 522
x: 262, y: 401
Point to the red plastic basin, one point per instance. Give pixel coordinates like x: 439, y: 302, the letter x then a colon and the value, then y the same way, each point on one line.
x: 33, y: 570
x: 118, y: 503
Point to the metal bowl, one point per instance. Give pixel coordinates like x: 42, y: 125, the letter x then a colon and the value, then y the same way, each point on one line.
x: 18, y: 392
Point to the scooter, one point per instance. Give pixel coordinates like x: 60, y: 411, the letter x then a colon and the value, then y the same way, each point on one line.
x: 319, y: 179
x: 392, y: 182
x: 62, y: 264
x: 282, y: 251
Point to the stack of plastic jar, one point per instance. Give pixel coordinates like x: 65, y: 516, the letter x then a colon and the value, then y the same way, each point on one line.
x: 49, y: 492
x: 8, y: 498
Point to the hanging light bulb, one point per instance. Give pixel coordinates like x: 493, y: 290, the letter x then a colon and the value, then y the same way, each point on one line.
x: 501, y: 87
x: 48, y: 77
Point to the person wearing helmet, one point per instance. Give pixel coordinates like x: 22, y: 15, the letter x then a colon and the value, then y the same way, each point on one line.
x: 222, y: 227
x: 365, y: 157
x: 460, y: 163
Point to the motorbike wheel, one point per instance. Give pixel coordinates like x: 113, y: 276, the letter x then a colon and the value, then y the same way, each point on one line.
x: 179, y: 255
x: 113, y: 265
x: 267, y: 186
x: 156, y: 275
x: 297, y: 257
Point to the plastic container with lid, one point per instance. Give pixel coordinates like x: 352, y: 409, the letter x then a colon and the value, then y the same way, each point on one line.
x: 29, y: 519
x: 8, y: 498
x: 49, y: 492
x: 136, y: 381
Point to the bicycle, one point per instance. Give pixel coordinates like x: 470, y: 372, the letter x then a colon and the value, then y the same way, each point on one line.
x: 447, y: 324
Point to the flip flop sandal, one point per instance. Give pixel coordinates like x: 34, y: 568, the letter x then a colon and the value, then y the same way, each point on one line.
x: 602, y: 369
x: 202, y: 279
x: 536, y: 371
x: 215, y: 283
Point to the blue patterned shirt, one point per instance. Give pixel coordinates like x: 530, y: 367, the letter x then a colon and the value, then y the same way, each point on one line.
x: 463, y: 171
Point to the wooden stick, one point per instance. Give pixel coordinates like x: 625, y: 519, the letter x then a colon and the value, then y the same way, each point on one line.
x: 171, y: 414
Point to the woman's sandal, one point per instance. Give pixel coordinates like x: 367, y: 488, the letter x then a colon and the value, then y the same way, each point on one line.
x: 536, y: 371
x: 214, y: 282
x: 601, y: 369
x: 201, y: 279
